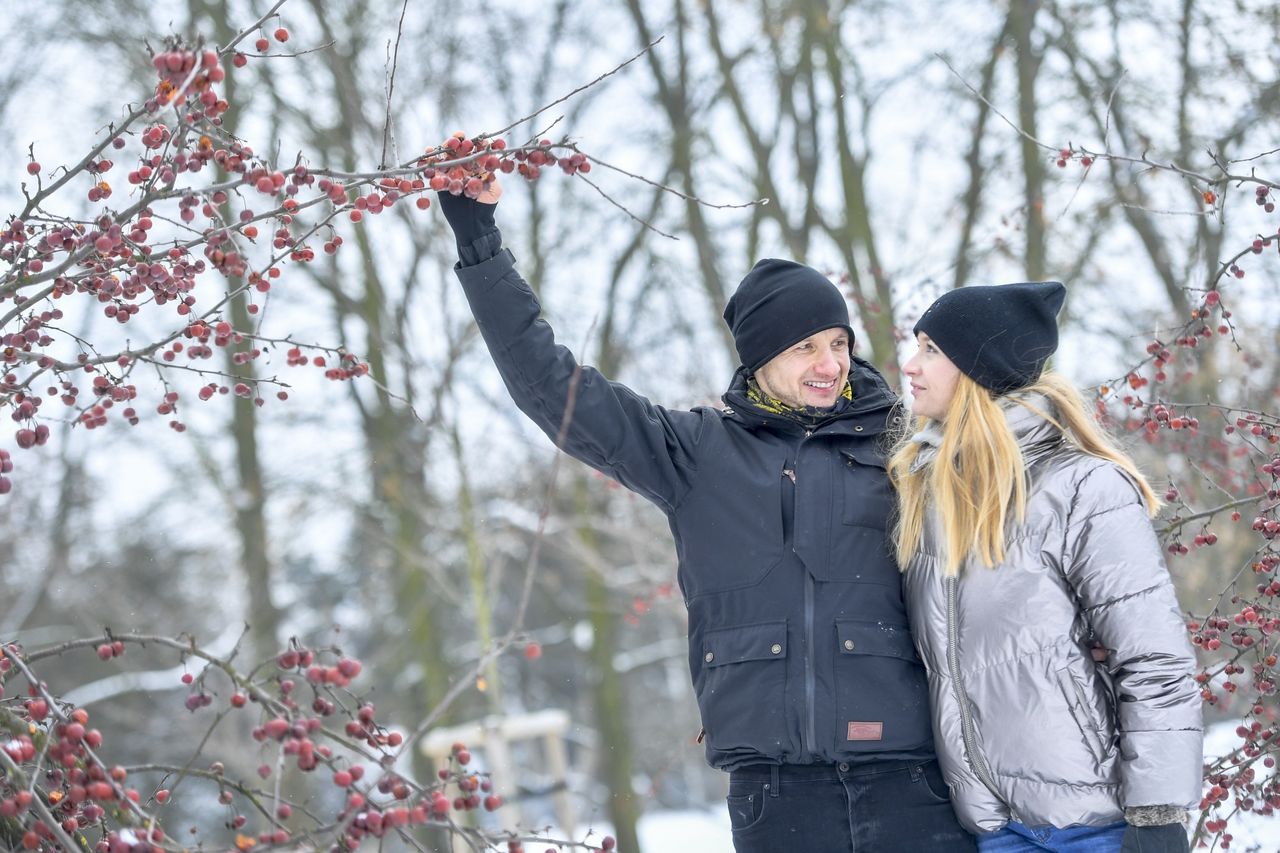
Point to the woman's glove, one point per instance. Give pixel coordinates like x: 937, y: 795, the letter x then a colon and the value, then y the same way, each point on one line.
x: 1166, y: 838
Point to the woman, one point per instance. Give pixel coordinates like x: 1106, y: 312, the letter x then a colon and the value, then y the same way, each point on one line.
x: 1026, y: 541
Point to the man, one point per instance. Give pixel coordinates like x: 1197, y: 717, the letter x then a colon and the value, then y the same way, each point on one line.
x: 811, y: 694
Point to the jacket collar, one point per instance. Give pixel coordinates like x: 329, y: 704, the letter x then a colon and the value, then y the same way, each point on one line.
x: 1036, y: 436
x: 871, y: 393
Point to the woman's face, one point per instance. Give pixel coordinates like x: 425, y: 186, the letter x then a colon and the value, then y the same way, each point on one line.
x: 933, y: 379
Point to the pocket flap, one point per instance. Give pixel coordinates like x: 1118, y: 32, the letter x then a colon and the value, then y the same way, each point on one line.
x: 873, y: 638
x: 767, y: 641
x: 863, y: 456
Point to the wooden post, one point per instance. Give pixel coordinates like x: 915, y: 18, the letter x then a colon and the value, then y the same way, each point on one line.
x: 494, y: 736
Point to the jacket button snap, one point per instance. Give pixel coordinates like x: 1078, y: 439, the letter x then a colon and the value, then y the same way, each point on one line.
x: 710, y: 657
x: 857, y: 428
x: 844, y: 768
x: 776, y: 648
x: 848, y: 645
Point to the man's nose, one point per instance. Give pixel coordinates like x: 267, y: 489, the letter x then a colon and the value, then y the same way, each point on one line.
x: 828, y: 364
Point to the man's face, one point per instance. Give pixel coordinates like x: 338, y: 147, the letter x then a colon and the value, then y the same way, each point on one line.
x: 810, y: 372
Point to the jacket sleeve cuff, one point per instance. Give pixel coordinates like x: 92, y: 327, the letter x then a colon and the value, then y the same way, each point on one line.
x: 1161, y: 767
x: 480, y: 249
x: 482, y: 277
x: 1155, y: 815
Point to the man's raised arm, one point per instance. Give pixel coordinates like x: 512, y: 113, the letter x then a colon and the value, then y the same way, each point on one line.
x: 614, y: 430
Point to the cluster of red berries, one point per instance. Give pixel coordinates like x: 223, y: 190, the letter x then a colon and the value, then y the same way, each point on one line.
x: 121, y: 262
x: 473, y: 163
x: 1066, y: 155
x: 465, y: 165
x: 185, y: 73
x: 1262, y: 197
x: 78, y: 791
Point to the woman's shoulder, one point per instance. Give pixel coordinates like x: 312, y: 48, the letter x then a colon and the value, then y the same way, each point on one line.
x: 1091, y: 483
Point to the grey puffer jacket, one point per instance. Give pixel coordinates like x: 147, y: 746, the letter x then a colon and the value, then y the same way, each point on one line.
x: 1027, y: 727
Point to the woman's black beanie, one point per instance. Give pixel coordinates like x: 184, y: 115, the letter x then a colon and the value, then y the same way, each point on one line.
x: 1000, y: 335
x: 779, y: 303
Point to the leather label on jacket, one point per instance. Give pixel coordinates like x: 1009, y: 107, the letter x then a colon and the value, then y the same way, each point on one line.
x: 865, y: 731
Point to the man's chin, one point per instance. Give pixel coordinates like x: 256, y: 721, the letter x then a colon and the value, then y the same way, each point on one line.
x: 823, y: 401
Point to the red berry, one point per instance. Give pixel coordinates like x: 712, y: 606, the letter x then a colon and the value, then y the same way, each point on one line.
x: 262, y: 44
x: 282, y: 34
x: 349, y: 667
x: 342, y: 778
x: 33, y: 168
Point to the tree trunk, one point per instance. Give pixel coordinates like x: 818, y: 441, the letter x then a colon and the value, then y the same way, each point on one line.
x: 249, y: 488
x: 1022, y: 17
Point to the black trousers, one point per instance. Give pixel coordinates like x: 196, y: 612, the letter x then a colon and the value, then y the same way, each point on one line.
x: 880, y: 807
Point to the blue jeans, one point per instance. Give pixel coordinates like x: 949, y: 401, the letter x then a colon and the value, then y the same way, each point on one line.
x: 882, y: 806
x: 1016, y: 838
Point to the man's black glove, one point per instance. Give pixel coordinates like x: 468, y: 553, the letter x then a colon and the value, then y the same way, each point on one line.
x: 1167, y: 838
x: 469, y: 219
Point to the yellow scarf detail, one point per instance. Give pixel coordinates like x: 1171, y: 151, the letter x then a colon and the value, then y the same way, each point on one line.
x: 766, y: 403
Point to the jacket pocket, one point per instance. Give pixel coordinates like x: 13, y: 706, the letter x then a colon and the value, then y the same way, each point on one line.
x: 1078, y: 704
x: 868, y: 497
x: 882, y: 698
x: 741, y: 693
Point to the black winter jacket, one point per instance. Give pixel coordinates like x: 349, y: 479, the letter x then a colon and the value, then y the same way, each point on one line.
x: 798, y: 641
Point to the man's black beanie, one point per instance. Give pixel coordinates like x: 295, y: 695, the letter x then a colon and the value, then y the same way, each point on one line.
x: 779, y: 303
x: 1000, y: 335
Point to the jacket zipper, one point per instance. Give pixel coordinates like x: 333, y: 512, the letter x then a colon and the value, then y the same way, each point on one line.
x: 808, y: 736
x: 976, y: 762
x: 810, y: 687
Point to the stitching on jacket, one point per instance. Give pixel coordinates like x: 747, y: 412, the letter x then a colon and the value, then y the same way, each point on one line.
x: 1040, y: 650
x: 1103, y: 465
x: 1111, y: 601
x: 1059, y: 783
x: 1103, y: 512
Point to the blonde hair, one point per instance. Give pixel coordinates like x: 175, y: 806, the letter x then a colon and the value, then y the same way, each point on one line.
x: 978, y: 477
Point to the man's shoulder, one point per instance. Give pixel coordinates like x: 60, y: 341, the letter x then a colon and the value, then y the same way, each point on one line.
x: 868, y: 382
